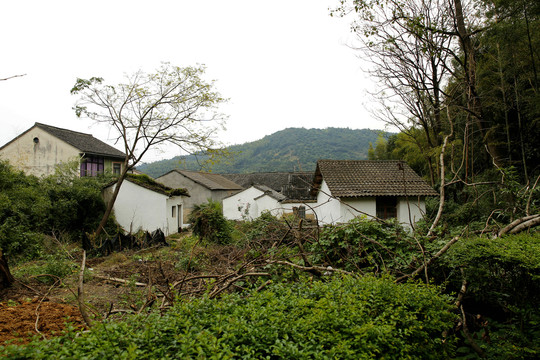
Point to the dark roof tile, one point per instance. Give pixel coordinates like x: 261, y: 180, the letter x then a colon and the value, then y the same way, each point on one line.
x: 352, y: 178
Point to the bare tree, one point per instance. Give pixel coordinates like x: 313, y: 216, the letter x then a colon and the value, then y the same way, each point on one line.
x: 172, y: 106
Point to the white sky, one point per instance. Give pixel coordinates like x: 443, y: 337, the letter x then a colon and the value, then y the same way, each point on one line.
x: 282, y: 63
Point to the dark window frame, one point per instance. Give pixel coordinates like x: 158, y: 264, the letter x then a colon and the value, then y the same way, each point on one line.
x: 92, y: 165
x: 386, y: 207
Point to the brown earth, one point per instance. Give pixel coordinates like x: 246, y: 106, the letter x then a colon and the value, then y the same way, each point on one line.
x: 56, y: 303
x: 19, y: 322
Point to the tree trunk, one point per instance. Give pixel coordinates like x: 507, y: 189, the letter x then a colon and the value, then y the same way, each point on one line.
x: 110, y: 204
x: 6, y: 279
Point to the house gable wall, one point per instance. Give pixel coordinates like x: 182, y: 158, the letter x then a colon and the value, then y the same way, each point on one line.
x: 41, y: 158
x: 242, y: 205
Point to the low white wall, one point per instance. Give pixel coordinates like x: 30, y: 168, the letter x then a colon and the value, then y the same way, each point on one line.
x: 139, y: 208
x: 417, y: 206
x: 351, y: 208
x: 328, y: 210
x: 242, y: 205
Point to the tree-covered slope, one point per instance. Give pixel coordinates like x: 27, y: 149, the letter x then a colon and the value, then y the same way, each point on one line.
x: 292, y: 149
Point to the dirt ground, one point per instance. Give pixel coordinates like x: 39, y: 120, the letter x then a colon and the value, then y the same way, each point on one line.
x: 32, y: 307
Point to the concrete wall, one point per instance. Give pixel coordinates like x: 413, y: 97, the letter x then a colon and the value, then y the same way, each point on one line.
x: 137, y: 208
x: 39, y: 158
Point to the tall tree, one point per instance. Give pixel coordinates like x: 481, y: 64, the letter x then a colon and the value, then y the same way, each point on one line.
x: 174, y: 105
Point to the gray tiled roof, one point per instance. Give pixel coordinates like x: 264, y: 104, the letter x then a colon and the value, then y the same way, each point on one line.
x: 351, y: 178
x: 86, y: 143
x: 210, y: 181
x: 270, y: 192
x: 293, y: 185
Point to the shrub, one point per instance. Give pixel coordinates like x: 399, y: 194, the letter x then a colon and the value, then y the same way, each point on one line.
x: 503, y: 278
x: 208, y: 222
x: 346, y: 318
x: 365, y: 245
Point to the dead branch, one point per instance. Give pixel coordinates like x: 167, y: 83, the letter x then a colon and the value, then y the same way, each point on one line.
x: 80, y: 293
x: 430, y: 261
x: 310, y: 268
x: 218, y: 290
x: 11, y: 77
x: 470, y: 339
x: 520, y: 224
x: 122, y: 281
x: 528, y: 206
x: 526, y: 225
x: 441, y: 192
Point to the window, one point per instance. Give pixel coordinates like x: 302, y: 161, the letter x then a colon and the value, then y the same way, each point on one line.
x: 116, y: 168
x: 173, y: 211
x: 386, y: 207
x: 92, y: 165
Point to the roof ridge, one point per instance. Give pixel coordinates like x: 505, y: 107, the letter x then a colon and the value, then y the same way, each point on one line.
x: 62, y: 129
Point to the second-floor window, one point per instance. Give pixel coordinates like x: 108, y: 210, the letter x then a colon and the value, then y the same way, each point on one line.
x: 116, y: 168
x: 92, y: 165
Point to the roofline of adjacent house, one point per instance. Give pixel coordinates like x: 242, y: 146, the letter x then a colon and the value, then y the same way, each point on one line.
x: 198, y: 182
x: 146, y: 187
x: 43, y: 127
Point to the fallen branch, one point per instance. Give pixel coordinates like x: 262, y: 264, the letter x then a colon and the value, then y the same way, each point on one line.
x: 518, y: 224
x: 430, y: 261
x: 218, y: 290
x: 122, y: 281
x: 80, y: 293
x: 310, y: 268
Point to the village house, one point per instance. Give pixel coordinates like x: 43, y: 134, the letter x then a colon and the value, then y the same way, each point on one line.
x: 143, y: 204
x: 38, y: 151
x: 279, y: 193
x: 201, y: 187
x: 386, y: 189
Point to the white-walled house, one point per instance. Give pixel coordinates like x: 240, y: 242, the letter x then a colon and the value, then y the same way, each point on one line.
x: 38, y: 150
x: 201, y: 186
x: 384, y: 189
x: 253, y: 201
x: 147, y: 206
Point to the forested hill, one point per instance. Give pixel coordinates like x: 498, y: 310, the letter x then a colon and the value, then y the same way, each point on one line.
x: 292, y: 149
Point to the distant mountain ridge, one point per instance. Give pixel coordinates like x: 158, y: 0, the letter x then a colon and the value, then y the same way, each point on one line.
x: 291, y: 149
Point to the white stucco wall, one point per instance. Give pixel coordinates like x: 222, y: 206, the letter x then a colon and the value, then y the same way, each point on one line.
x: 268, y: 203
x: 138, y: 208
x: 234, y: 207
x: 328, y: 210
x: 332, y: 211
x: 417, y: 206
x: 351, y: 208
x: 38, y: 158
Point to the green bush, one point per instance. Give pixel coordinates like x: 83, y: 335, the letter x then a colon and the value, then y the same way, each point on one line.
x: 503, y: 277
x: 208, y: 223
x: 365, y: 245
x: 60, y: 203
x: 346, y: 318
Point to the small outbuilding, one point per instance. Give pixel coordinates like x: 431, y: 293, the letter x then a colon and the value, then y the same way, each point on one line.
x: 144, y: 204
x: 201, y: 187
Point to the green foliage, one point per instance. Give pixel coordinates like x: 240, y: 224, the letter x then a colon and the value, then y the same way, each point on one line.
x: 286, y: 150
x: 29, y: 206
x: 208, y: 222
x: 503, y: 278
x: 346, y: 318
x: 365, y: 245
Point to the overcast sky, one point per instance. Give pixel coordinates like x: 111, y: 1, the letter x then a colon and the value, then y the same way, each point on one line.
x: 282, y: 63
